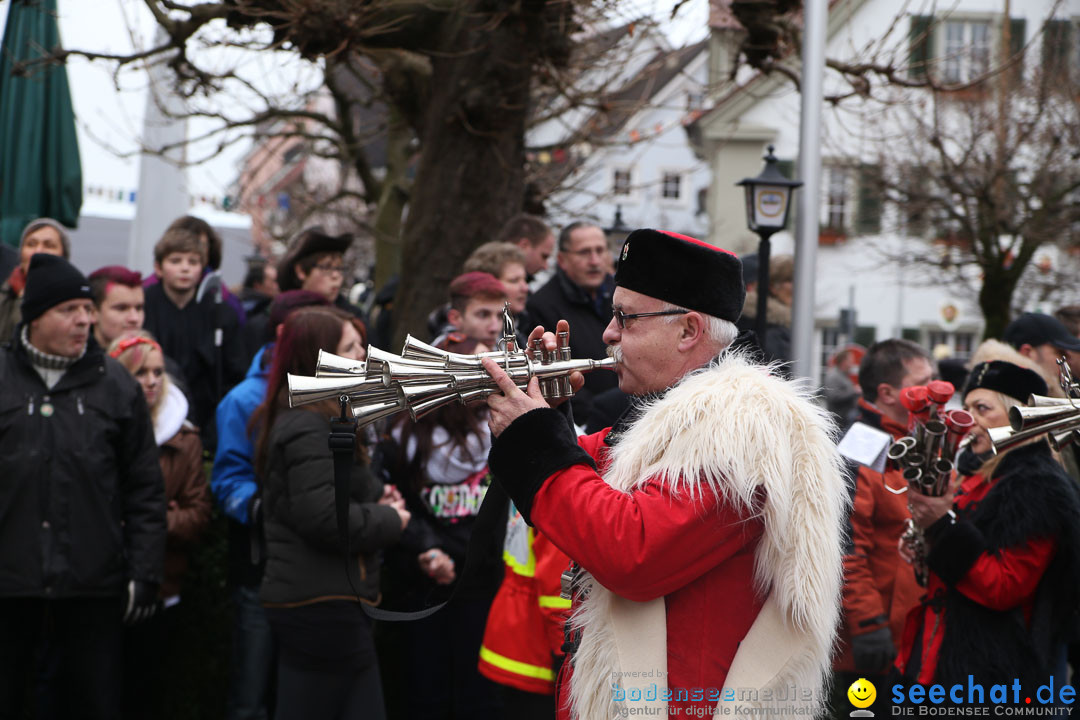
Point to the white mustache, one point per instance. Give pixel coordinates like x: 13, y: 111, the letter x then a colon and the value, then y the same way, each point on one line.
x: 615, y: 352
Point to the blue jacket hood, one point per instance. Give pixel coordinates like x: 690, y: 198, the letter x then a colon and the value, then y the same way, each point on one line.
x: 256, y: 369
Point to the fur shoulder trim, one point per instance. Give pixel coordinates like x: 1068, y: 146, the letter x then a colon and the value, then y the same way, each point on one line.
x: 761, y: 444
x: 1032, y: 496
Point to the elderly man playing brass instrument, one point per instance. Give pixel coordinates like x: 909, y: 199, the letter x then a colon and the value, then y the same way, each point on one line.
x: 705, y: 527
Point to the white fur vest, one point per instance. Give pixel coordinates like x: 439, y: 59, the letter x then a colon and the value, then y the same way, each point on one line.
x: 733, y: 429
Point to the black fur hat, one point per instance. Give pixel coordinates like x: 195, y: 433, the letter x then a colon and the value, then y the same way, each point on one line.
x: 682, y: 271
x: 1007, y: 379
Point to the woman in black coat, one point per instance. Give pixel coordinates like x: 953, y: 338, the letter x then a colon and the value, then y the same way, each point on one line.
x: 1003, y: 554
x: 326, y: 654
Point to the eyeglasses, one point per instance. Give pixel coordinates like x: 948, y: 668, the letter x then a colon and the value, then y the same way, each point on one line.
x: 328, y: 268
x: 621, y: 317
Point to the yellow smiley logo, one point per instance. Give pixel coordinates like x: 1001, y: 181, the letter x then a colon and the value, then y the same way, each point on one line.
x: 862, y: 693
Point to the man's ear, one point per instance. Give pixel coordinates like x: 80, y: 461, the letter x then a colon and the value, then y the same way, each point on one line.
x: 886, y: 394
x: 455, y: 318
x: 692, y: 330
x: 560, y: 259
x: 300, y: 274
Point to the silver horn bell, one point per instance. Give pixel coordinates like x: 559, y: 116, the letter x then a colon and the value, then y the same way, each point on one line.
x: 1057, y: 418
x: 424, y: 378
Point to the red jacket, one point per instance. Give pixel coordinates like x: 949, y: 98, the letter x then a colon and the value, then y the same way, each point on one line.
x: 879, y: 587
x: 698, y: 555
x: 524, y: 634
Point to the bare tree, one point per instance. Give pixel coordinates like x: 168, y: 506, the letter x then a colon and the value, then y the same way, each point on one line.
x: 973, y: 152
x: 984, y: 177
x: 443, y: 89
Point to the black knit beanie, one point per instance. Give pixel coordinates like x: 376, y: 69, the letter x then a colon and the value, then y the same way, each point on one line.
x: 50, y: 281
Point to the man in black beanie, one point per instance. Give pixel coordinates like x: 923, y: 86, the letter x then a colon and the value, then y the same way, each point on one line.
x: 705, y: 525
x: 82, y: 504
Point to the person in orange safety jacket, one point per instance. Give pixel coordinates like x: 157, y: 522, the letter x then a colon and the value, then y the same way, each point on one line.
x: 523, y: 639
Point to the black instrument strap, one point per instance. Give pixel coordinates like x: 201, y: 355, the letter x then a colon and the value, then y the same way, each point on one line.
x: 343, y: 447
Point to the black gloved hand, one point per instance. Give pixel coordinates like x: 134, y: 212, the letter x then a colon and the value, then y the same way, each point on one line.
x: 873, y: 651
x: 141, y: 602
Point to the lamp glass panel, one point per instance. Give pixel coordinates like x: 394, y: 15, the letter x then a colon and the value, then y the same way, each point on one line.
x: 751, y: 217
x: 770, y: 206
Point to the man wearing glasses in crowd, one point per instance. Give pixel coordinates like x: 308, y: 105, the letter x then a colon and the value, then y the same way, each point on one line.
x: 580, y: 292
x: 315, y: 262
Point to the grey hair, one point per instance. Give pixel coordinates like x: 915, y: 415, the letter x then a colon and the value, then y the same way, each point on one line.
x: 717, y: 331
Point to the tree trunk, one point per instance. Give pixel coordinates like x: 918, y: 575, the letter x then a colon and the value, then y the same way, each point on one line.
x: 392, y: 200
x: 470, y: 177
x: 995, y: 299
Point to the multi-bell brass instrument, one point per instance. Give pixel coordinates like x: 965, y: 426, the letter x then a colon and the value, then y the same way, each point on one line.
x: 1058, y: 418
x: 926, y: 455
x: 933, y: 439
x: 424, y: 378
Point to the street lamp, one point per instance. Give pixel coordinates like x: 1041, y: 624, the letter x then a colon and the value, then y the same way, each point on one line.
x: 616, y: 234
x: 619, y: 230
x: 768, y: 200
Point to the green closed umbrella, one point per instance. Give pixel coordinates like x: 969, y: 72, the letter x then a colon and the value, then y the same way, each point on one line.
x: 40, y: 172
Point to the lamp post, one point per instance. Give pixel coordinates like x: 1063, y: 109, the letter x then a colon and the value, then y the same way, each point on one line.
x: 768, y: 200
x: 618, y: 231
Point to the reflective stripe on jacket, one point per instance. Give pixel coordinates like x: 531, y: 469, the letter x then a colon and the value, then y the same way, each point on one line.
x: 524, y: 634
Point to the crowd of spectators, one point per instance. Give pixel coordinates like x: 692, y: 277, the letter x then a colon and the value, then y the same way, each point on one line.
x: 131, y: 407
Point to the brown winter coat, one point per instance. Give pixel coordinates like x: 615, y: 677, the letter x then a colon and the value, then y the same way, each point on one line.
x: 189, y: 502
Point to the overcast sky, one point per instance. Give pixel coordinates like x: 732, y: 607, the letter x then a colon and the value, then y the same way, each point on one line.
x: 109, y: 121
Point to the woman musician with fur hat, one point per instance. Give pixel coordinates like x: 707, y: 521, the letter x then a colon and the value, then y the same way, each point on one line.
x: 1003, y: 554
x: 705, y: 525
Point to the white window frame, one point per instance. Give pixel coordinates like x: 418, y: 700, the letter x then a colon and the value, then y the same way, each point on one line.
x: 971, y: 339
x: 961, y: 60
x: 681, y: 178
x: 634, y: 195
x: 629, y: 192
x: 953, y: 339
x: 846, y: 208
